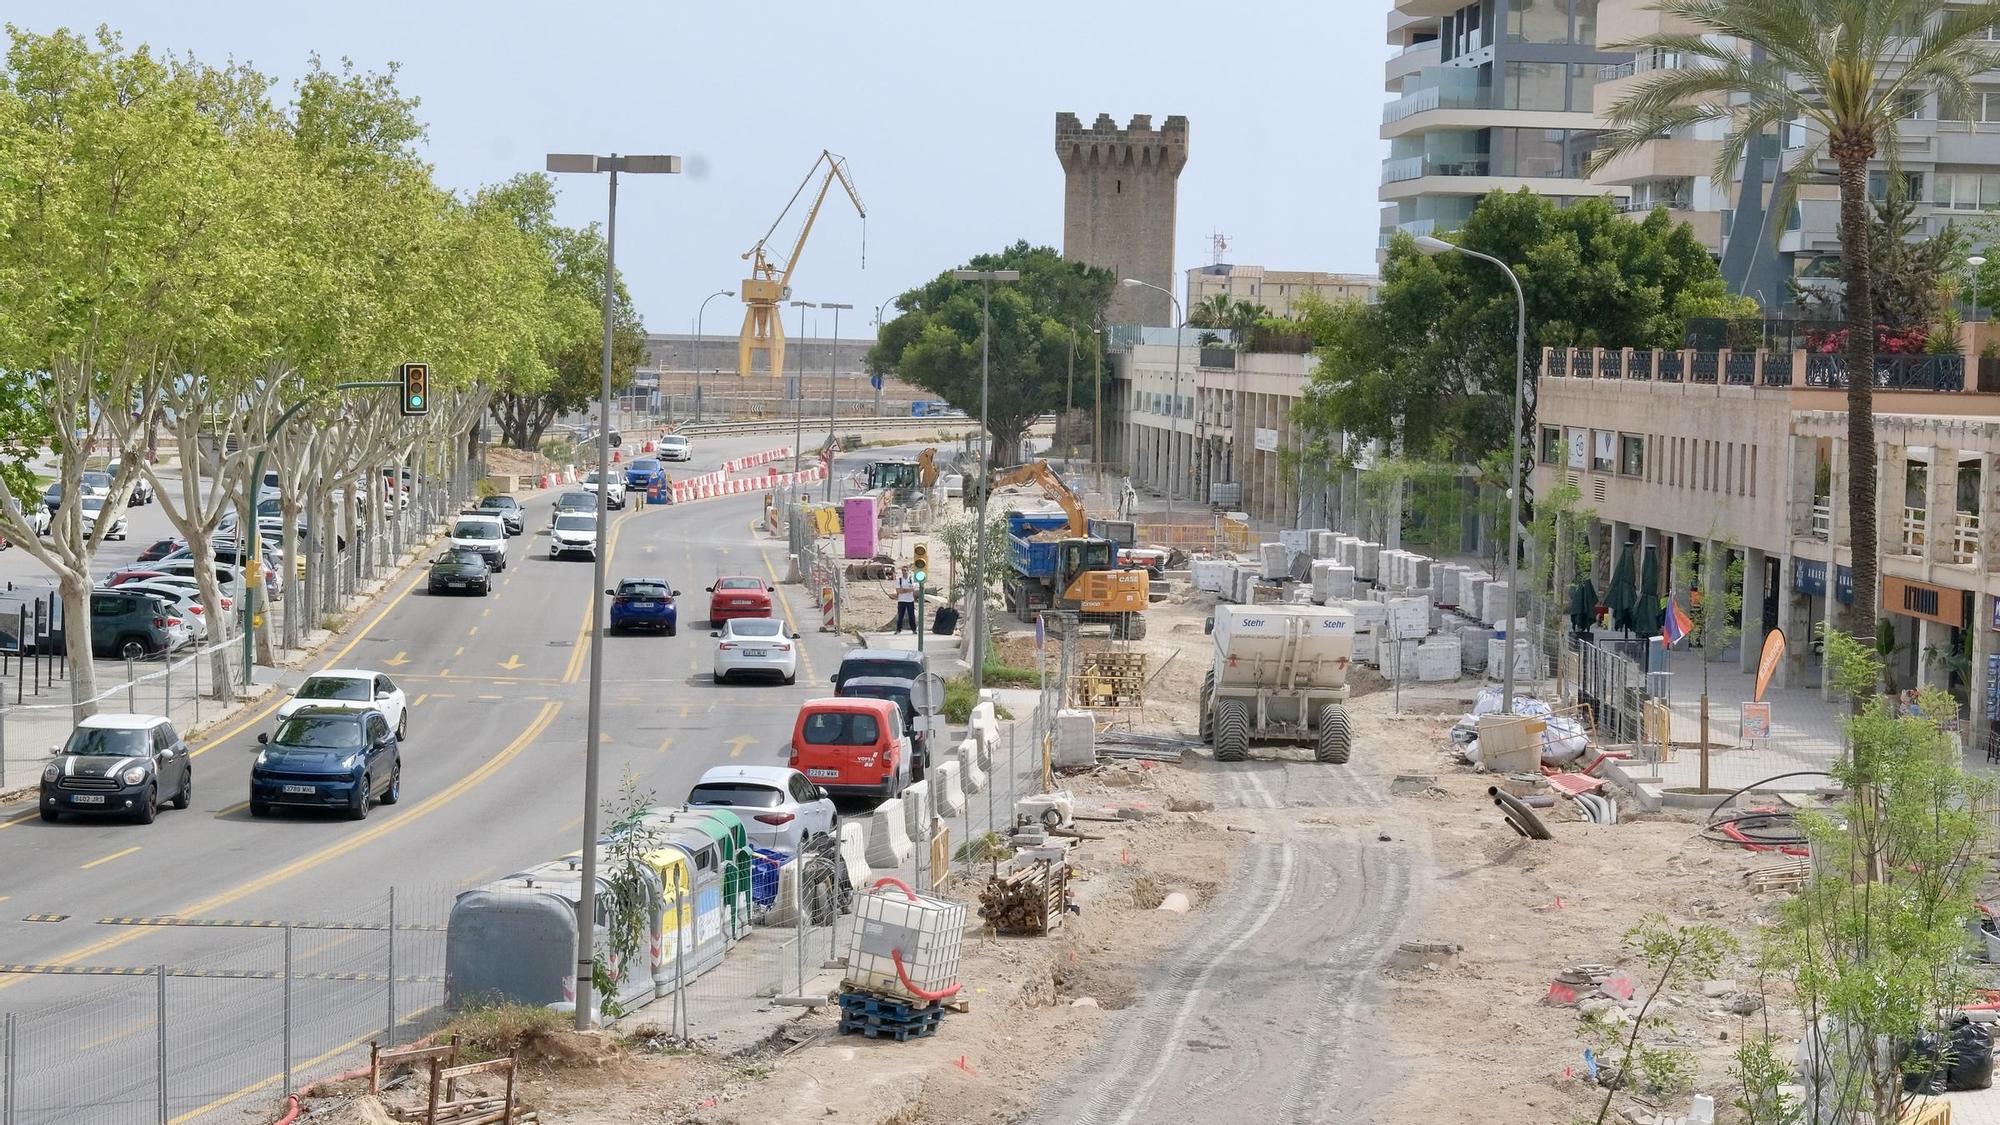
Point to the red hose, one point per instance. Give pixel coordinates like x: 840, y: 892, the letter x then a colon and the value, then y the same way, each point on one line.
x: 896, y: 955
x: 291, y: 1114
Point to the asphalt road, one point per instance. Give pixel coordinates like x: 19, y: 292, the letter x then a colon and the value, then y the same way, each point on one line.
x: 492, y: 782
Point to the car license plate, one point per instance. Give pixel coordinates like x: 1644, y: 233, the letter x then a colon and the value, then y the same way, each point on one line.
x: 88, y: 798
x: 740, y: 601
x: 755, y: 653
x: 302, y: 790
x: 456, y: 582
x: 822, y: 773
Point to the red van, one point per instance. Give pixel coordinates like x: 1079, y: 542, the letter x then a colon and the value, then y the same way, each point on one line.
x: 852, y: 746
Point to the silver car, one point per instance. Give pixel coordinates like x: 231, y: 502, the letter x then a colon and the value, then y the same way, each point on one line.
x: 779, y: 807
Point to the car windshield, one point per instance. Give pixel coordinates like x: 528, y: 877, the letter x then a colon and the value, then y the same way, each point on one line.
x: 576, y: 523
x: 93, y: 503
x: 841, y: 728
x: 591, y: 477
x: 756, y: 627
x: 333, y: 687
x: 673, y: 440
x: 474, y: 529
x: 851, y: 669
x: 644, y: 465
x: 101, y: 742
x: 499, y: 503
x: 739, y: 584
x: 643, y: 590
x: 742, y: 794
x: 462, y: 558
x: 319, y: 732
x: 576, y: 500
x: 97, y: 480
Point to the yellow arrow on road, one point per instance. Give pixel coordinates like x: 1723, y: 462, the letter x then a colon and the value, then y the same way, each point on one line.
x: 737, y: 744
x: 398, y: 660
x: 512, y: 663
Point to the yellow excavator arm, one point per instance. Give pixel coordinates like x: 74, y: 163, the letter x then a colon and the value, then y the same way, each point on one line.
x: 1040, y: 473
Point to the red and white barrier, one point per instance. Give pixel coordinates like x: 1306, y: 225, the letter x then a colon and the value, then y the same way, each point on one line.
x: 755, y: 459
x: 709, y: 486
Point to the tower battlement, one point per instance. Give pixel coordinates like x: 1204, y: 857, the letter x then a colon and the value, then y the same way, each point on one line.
x: 1119, y: 193
x: 1137, y: 144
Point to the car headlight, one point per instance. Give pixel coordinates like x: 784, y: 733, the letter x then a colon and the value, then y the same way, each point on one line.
x: 51, y: 772
x: 133, y: 776
x: 263, y: 757
x: 350, y: 761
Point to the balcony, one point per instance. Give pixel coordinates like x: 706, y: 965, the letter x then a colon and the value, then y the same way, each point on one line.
x: 1744, y: 367
x: 1892, y: 372
x: 1417, y: 167
x: 1412, y: 59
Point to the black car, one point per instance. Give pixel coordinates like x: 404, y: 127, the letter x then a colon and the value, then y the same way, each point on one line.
x: 895, y: 663
x: 509, y: 509
x: 119, y: 764
x: 582, y: 502
x: 324, y: 757
x: 461, y: 569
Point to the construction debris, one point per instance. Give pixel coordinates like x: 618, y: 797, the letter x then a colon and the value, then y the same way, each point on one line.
x: 1027, y: 901
x: 1152, y: 747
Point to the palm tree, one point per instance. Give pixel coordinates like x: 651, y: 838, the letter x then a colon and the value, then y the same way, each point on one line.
x: 1847, y: 72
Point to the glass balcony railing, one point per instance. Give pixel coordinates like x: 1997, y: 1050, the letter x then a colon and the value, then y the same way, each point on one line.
x: 1435, y: 97
x: 1417, y: 167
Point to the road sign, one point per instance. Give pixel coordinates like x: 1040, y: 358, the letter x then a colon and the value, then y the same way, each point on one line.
x: 927, y: 694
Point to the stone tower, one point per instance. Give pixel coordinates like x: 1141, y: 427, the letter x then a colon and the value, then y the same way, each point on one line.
x: 1119, y: 187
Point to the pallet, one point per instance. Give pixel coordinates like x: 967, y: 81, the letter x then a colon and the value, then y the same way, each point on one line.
x: 901, y: 1033
x: 886, y: 1007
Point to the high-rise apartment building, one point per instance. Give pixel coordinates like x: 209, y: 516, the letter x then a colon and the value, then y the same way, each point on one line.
x: 1490, y: 94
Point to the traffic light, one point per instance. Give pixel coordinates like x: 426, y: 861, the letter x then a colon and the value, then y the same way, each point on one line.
x: 416, y: 388
x: 923, y: 563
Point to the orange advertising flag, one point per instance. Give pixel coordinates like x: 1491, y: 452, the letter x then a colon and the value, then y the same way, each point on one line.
x: 1774, y: 651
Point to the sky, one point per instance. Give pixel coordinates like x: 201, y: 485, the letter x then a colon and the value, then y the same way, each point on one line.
x: 945, y: 112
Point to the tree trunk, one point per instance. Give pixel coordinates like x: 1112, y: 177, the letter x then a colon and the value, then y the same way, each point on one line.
x: 1005, y: 434
x: 75, y: 591
x: 1853, y: 157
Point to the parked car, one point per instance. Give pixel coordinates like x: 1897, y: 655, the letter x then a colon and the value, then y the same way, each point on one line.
x: 508, y: 509
x: 482, y: 532
x: 183, y: 601
x: 614, y: 492
x: 92, y: 510
x: 896, y: 663
x: 852, y: 746
x: 116, y: 763
x: 780, y: 807
x: 575, y: 533
x: 324, y: 757
x: 675, y: 447
x: 755, y: 646
x: 142, y: 489
x: 128, y: 624
x: 160, y: 548
x: 644, y: 603
x: 351, y: 689
x: 460, y: 570
x: 644, y: 473
x: 897, y: 691
x: 738, y: 596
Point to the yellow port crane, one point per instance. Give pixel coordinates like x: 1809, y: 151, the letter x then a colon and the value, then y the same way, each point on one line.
x: 770, y: 282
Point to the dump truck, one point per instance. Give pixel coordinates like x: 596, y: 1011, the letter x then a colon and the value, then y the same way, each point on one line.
x: 1279, y: 674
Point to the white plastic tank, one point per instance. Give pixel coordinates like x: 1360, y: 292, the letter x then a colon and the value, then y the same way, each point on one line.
x: 1253, y: 642
x: 924, y: 933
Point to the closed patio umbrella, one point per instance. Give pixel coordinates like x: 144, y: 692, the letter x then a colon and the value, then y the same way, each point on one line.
x: 1624, y: 593
x: 1582, y: 606
x: 1647, y: 613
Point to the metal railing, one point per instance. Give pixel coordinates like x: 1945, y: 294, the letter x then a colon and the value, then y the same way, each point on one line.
x: 1822, y: 518
x: 1964, y: 537
x: 1915, y: 530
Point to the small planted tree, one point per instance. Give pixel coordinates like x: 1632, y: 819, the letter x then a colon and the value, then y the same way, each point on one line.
x: 1717, y: 615
x: 630, y: 893
x: 1674, y: 955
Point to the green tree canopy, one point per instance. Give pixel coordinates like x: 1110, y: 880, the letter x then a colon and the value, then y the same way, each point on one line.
x: 1432, y: 361
x: 934, y: 342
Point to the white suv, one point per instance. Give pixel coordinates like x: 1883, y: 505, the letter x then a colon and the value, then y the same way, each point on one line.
x: 614, y: 496
x: 573, y: 533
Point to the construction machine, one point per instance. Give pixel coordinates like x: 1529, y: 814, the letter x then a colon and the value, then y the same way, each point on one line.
x: 1278, y: 673
x: 903, y: 481
x: 770, y: 281
x: 1054, y: 562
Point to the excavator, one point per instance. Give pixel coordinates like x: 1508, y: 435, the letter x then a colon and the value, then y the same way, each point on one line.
x: 902, y: 481
x: 1062, y: 566
x: 770, y: 282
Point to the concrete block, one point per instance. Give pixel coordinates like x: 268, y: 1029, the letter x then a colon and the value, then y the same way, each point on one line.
x: 1438, y: 659
x: 1367, y: 560
x: 1348, y: 550
x: 916, y: 810
x: 1409, y: 617
x: 888, y: 835
x: 1212, y: 575
x: 983, y: 727
x: 1295, y: 540
x: 1496, y: 602
x: 784, y: 910
x: 947, y: 788
x: 972, y: 776
x: 1420, y: 572
x: 1076, y: 740
x: 1274, y: 561
x: 854, y: 852
x: 1324, y: 544
x: 1364, y: 645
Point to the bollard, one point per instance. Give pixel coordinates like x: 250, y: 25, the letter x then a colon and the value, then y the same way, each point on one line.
x: 288, y: 1009
x: 167, y: 678
x: 389, y: 1035
x: 161, y: 1035
x: 131, y: 688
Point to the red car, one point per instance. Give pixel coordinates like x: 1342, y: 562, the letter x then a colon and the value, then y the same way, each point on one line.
x: 738, y: 597
x: 132, y: 574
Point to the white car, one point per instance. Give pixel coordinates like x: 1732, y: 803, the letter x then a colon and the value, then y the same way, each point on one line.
x: 183, y: 600
x: 142, y: 492
x: 751, y: 646
x: 92, y: 508
x: 675, y: 447
x: 482, y: 532
x: 185, y: 583
x: 780, y: 808
x: 614, y: 496
x: 574, y: 533
x: 352, y: 689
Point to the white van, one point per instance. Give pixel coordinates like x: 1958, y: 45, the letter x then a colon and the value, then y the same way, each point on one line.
x: 482, y: 531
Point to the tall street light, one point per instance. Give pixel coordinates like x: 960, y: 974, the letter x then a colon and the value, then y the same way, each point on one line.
x: 586, y: 906
x: 1174, y: 415
x: 1432, y: 247
x: 986, y: 278
x: 875, y: 377
x: 799, y: 391
x: 697, y: 345
x: 832, y: 381
x: 1975, y: 261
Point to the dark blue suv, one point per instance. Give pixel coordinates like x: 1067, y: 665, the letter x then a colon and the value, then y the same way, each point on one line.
x: 325, y: 758
x: 644, y: 603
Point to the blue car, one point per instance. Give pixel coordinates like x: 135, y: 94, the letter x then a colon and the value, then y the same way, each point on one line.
x: 326, y: 758
x: 644, y: 603
x: 644, y: 473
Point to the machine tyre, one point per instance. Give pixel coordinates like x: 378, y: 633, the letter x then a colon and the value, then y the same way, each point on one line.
x: 1207, y: 705
x: 1336, y: 735
x: 1232, y: 730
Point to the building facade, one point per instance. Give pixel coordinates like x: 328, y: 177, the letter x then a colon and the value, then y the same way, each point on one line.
x: 1120, y: 188
x: 1494, y: 94
x: 1743, y: 456
x: 1275, y: 290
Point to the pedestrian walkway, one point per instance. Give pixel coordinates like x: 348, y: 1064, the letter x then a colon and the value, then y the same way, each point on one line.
x: 1805, y: 731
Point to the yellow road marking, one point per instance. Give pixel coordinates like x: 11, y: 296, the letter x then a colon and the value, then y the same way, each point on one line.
x: 472, y: 632
x: 329, y: 853
x: 334, y: 660
x: 512, y: 663
x: 109, y: 858
x: 222, y: 736
x: 397, y: 661
x: 444, y: 672
x: 460, y: 652
x: 575, y: 823
x: 785, y: 603
x: 419, y: 700
x: 580, y: 648
x: 13, y: 820
x: 737, y: 744
x: 235, y: 808
x: 117, y: 1035
x: 487, y: 612
x: 239, y: 1095
x: 664, y: 743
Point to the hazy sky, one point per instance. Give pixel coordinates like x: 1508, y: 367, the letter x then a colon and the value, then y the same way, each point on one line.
x: 945, y: 111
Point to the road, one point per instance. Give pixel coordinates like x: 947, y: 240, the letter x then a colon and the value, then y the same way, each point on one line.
x: 492, y: 782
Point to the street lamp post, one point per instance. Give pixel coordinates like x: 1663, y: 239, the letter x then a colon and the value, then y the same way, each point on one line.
x: 1174, y: 414
x: 697, y: 345
x: 1432, y: 247
x: 876, y: 377
x: 986, y: 278
x: 1975, y: 261
x: 832, y: 382
x: 586, y: 907
x: 799, y: 391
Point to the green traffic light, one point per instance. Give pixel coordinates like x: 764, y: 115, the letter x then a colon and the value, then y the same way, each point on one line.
x: 416, y: 400
x: 920, y: 578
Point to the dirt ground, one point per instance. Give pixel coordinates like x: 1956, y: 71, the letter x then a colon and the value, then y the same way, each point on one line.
x: 1407, y: 1037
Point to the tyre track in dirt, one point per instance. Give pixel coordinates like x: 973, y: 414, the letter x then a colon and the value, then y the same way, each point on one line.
x: 1265, y: 1012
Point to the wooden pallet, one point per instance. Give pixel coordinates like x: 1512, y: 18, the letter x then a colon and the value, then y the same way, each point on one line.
x: 1786, y: 876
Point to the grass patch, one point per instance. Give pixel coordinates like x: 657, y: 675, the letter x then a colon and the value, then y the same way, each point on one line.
x: 536, y: 1033
x: 1009, y: 675
x: 960, y: 699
